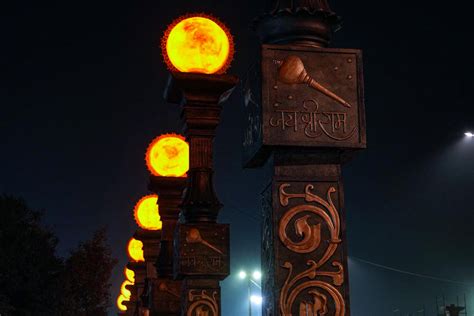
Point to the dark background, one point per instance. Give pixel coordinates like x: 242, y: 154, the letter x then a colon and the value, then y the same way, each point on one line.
x: 81, y: 98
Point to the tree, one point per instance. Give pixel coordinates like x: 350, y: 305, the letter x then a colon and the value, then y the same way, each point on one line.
x: 86, y: 276
x: 29, y: 267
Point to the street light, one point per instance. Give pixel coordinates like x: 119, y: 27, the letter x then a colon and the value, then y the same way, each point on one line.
x: 469, y: 134
x: 257, y: 275
x: 252, y: 279
x: 256, y: 299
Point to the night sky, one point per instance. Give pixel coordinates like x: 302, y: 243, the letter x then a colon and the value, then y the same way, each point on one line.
x: 81, y: 98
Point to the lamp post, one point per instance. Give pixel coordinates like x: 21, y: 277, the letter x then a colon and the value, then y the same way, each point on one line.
x: 469, y: 134
x: 304, y: 104
x: 251, y: 279
x: 167, y: 160
x: 198, y: 84
x: 147, y: 217
x: 138, y: 266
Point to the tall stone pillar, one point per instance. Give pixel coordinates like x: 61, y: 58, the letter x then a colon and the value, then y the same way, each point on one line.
x: 165, y: 292
x: 201, y: 254
x: 305, y: 119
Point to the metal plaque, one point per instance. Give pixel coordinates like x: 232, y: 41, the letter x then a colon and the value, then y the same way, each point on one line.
x: 303, y: 97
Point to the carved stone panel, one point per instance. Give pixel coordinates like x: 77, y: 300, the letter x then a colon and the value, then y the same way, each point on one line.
x: 202, y: 250
x: 201, y: 298
x: 305, y: 98
x: 304, y: 252
x: 166, y: 297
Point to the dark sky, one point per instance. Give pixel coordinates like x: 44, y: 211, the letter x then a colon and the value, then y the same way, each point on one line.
x: 81, y: 97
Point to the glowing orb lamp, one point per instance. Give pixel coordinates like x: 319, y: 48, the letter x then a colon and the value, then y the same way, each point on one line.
x: 168, y: 156
x: 129, y: 274
x: 124, y: 291
x: 147, y: 214
x: 135, y: 250
x: 199, y: 44
x: 120, y: 300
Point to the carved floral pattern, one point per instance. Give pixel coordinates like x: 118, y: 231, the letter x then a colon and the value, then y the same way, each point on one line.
x: 202, y: 304
x: 310, y: 235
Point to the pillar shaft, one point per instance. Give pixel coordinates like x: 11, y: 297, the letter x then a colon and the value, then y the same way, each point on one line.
x: 303, y: 249
x: 201, y: 245
x: 164, y: 292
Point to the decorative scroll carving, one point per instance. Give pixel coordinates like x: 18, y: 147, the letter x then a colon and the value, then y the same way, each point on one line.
x: 306, y: 282
x: 202, y: 304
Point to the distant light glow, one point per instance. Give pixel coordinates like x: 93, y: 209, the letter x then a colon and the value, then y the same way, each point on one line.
x: 256, y: 299
x: 257, y: 275
x: 469, y: 134
x: 129, y: 274
x: 242, y: 275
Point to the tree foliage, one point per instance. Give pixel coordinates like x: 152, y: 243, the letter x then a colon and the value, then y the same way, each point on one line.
x: 85, y: 280
x: 35, y: 281
x: 29, y: 268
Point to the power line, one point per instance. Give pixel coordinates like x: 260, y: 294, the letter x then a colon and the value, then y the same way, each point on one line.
x: 411, y: 273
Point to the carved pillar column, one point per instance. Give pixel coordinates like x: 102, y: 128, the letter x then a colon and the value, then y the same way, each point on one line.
x: 151, y: 249
x: 305, y: 116
x: 140, y: 270
x: 165, y: 292
x: 201, y: 245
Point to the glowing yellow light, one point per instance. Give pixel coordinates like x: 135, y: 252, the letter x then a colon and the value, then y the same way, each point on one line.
x: 198, y: 43
x: 168, y: 156
x: 120, y: 300
x: 135, y: 250
x: 124, y: 291
x: 147, y: 214
x: 130, y: 275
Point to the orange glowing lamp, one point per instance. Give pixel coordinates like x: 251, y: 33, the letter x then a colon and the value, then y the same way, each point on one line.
x: 199, y: 44
x: 135, y: 250
x: 124, y: 291
x: 129, y: 275
x: 120, y: 300
x: 147, y: 214
x: 168, y: 156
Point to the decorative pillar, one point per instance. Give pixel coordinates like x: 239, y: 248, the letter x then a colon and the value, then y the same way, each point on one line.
x: 151, y: 249
x: 165, y: 292
x: 201, y: 254
x: 305, y: 117
x: 133, y: 306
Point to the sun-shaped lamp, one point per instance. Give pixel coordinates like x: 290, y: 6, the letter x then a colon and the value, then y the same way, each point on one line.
x: 168, y: 156
x: 198, y: 43
x: 147, y: 214
x: 135, y: 250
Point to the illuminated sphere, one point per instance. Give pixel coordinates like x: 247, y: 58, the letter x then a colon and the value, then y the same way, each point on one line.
x: 124, y: 291
x: 135, y: 250
x: 198, y: 44
x: 120, y: 300
x: 130, y: 275
x: 146, y: 213
x: 168, y: 156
